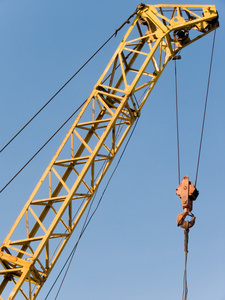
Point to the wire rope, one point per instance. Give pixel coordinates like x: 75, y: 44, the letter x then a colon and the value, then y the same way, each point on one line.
x: 177, y: 122
x: 39, y: 150
x: 206, y: 101
x: 186, y: 231
x: 185, y: 287
x: 71, y: 255
x: 68, y: 81
x: 114, y: 34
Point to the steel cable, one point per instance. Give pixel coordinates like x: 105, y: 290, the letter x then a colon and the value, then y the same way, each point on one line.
x: 114, y: 34
x: 186, y: 231
x: 41, y: 147
x: 177, y: 122
x: 185, y: 287
x: 206, y: 101
x: 35, y: 115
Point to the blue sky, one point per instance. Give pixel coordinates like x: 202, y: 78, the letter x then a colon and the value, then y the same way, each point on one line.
x: 132, y: 248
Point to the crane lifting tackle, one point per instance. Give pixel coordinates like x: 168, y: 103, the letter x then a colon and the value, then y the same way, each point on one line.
x: 187, y: 193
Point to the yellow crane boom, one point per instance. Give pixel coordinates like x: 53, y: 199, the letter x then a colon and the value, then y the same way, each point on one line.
x: 58, y: 202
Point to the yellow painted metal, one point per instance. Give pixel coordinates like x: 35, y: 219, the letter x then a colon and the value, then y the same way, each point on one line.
x: 61, y: 197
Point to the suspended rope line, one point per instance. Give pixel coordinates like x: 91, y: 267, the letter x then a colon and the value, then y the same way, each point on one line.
x: 206, y: 100
x: 42, y: 147
x: 185, y: 288
x: 177, y: 122
x: 114, y: 34
x: 86, y: 223
x: 187, y: 224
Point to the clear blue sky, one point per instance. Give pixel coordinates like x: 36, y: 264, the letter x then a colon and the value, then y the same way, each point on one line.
x: 132, y: 248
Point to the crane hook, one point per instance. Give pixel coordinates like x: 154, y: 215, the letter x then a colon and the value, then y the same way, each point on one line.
x: 181, y: 220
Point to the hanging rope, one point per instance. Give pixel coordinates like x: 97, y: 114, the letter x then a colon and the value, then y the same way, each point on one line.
x: 186, y: 190
x: 114, y: 34
x: 206, y: 100
x: 68, y: 81
x: 185, y: 288
x: 39, y: 150
x: 177, y: 123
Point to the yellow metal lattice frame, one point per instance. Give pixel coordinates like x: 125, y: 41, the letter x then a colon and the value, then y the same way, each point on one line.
x: 57, y: 204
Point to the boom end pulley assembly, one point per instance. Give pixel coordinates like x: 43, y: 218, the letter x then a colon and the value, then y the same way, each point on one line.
x: 187, y: 193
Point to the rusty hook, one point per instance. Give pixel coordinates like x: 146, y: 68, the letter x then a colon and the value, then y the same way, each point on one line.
x: 181, y: 220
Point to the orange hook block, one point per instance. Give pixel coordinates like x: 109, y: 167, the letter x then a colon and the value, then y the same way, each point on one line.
x: 187, y: 193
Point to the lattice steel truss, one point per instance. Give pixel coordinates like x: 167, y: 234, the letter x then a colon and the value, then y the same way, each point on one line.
x: 57, y: 204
